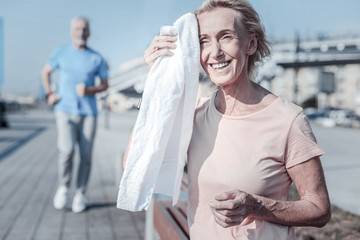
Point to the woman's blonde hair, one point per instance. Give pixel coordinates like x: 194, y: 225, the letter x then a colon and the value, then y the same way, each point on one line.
x: 251, y: 22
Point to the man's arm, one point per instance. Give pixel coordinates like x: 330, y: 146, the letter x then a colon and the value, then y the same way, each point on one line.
x: 51, y: 98
x: 45, y: 76
x: 82, y: 90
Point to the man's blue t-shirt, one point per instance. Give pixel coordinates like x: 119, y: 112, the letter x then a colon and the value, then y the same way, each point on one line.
x: 77, y: 66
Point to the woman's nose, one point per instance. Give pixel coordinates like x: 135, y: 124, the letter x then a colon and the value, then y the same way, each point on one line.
x: 216, y: 50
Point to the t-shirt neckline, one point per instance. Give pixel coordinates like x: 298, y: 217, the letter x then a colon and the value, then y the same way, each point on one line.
x: 217, y: 112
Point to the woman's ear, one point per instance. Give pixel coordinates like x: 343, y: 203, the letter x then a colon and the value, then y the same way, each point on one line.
x: 252, y: 44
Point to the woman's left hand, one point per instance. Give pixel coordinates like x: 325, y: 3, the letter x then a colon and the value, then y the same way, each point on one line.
x: 232, y: 208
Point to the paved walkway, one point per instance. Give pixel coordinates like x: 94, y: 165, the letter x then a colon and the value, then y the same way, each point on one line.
x: 28, y: 179
x: 28, y: 165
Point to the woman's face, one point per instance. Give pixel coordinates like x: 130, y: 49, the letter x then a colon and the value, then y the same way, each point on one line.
x: 223, y: 45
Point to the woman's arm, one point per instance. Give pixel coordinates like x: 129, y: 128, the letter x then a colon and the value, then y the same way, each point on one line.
x: 313, y: 209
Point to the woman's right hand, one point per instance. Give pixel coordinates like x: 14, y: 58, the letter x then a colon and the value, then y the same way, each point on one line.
x: 160, y: 46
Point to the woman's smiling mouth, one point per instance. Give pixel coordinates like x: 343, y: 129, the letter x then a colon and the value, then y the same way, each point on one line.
x: 220, y: 65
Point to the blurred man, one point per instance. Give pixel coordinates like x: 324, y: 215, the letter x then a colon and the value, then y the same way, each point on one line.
x: 75, y: 108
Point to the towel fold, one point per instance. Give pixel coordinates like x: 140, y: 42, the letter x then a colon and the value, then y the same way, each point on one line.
x: 163, y: 129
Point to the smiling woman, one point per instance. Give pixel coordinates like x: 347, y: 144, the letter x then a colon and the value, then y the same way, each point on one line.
x: 247, y: 145
x: 236, y: 36
x: 223, y: 46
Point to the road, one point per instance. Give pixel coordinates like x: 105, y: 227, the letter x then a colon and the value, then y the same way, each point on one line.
x: 341, y: 163
x: 28, y: 181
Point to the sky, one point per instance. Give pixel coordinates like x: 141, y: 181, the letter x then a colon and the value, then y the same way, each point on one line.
x: 121, y: 30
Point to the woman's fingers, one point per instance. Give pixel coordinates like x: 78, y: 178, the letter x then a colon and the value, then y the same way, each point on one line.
x: 243, y: 210
x: 160, y: 42
x: 228, y: 195
x: 227, y: 220
x: 161, y: 52
x: 232, y: 207
x: 164, y: 38
x: 160, y: 46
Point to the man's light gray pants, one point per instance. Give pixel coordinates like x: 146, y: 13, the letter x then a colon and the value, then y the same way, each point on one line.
x: 74, y: 129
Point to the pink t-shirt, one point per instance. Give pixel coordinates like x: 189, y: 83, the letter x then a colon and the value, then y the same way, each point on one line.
x: 251, y: 153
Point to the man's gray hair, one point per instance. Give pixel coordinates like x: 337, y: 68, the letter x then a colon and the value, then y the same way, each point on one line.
x: 73, y: 20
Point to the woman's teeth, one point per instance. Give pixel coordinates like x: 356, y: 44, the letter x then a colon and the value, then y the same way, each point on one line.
x: 220, y: 65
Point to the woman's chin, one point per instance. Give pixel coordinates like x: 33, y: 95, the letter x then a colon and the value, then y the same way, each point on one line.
x: 223, y: 82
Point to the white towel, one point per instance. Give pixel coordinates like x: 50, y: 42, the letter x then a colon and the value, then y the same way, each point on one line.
x: 163, y: 129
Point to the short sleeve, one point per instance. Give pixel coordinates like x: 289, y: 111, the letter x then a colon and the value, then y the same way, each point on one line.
x: 54, y: 58
x: 301, y: 143
x: 103, y: 69
x: 201, y: 100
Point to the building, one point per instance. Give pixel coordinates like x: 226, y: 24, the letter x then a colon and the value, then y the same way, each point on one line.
x: 317, y: 73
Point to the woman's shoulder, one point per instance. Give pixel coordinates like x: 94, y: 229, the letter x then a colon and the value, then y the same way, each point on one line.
x: 202, y: 103
x: 288, y: 105
x: 277, y: 104
x: 288, y: 109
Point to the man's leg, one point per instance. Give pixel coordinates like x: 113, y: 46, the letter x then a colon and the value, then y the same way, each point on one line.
x: 66, y: 142
x: 66, y: 146
x: 86, y: 142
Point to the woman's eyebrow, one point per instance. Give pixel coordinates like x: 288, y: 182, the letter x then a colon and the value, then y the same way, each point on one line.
x: 227, y: 31
x: 220, y: 33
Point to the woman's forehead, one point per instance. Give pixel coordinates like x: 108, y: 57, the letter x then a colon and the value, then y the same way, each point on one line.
x: 218, y: 20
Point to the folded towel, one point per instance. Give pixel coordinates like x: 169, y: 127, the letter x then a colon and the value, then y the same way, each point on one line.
x: 163, y: 129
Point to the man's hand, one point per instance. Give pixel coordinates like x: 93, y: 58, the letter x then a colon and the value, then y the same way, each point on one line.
x: 80, y: 89
x: 53, y: 99
x: 234, y: 208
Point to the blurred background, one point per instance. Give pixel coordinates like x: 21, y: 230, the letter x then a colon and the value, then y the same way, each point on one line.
x: 315, y: 63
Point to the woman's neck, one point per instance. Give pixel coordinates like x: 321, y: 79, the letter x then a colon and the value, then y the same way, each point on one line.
x: 242, y: 98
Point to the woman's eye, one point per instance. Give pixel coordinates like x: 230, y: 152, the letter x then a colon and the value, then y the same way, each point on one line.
x: 227, y: 37
x: 202, y: 42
